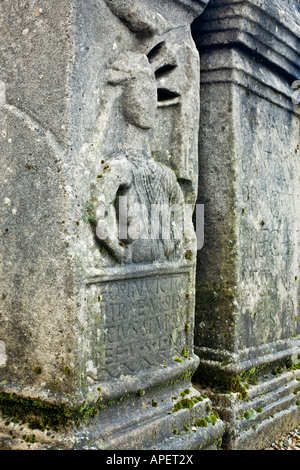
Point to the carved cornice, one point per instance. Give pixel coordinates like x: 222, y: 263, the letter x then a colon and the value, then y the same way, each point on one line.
x: 285, y: 12
x: 260, y: 27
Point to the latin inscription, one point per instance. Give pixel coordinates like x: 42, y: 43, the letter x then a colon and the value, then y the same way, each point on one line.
x: 270, y: 223
x: 135, y: 324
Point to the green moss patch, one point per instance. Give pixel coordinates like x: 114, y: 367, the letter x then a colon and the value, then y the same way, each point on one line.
x: 211, y: 419
x: 89, y: 212
x: 201, y: 423
x: 37, y: 414
x: 185, y: 353
x: 250, y: 414
x: 221, y: 381
x: 177, y: 359
x: 186, y: 403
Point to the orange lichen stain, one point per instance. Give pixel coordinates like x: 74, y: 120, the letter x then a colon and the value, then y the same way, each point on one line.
x: 37, y: 11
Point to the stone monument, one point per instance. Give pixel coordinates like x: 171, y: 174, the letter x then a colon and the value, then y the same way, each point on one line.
x: 99, y: 123
x: 247, y: 306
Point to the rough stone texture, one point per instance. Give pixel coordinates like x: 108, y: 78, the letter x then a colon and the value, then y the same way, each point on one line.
x: 140, y: 422
x: 269, y: 410
x: 247, y: 306
x: 37, y: 308
x: 104, y: 326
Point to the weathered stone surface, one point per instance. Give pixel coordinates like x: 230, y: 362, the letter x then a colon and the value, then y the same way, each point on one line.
x: 99, y: 104
x: 149, y: 421
x: 270, y: 408
x: 36, y: 270
x: 247, y: 309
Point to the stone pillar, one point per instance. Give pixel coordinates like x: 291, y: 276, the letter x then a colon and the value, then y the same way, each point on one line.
x: 99, y: 119
x: 247, y: 306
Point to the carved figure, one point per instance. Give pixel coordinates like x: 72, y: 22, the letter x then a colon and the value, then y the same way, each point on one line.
x: 140, y: 212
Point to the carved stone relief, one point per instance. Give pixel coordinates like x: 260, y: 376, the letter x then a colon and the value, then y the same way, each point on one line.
x: 147, y: 181
x: 140, y: 212
x: 100, y: 182
x: 143, y: 197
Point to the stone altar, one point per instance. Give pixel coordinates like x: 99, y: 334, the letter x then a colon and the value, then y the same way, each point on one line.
x: 99, y: 118
x: 247, y: 305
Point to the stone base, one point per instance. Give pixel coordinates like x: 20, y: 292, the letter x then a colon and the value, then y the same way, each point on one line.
x: 270, y: 410
x: 163, y: 419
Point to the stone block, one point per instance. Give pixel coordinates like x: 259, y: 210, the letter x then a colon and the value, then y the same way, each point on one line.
x: 247, y: 301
